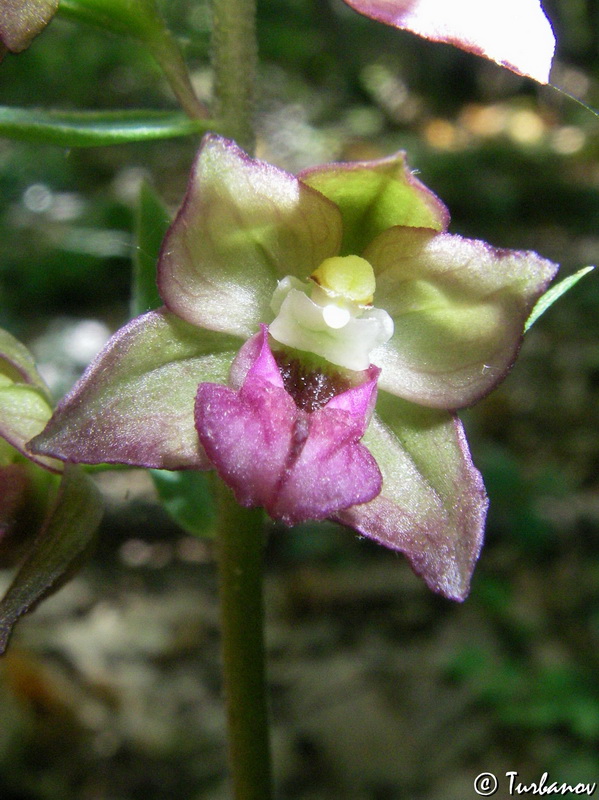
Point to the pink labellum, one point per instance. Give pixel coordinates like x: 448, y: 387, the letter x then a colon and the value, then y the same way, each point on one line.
x: 300, y: 466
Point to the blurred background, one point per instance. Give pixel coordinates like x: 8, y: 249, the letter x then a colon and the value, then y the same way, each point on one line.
x: 379, y: 689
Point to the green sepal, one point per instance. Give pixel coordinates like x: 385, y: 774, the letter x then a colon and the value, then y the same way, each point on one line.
x: 95, y: 128
x: 374, y: 196
x: 17, y: 363
x: 186, y: 495
x: 61, y: 543
x: 243, y: 225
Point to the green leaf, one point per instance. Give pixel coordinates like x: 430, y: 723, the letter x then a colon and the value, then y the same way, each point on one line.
x: 152, y: 221
x: 553, y: 294
x: 62, y: 541
x: 188, y: 499
x: 95, y: 128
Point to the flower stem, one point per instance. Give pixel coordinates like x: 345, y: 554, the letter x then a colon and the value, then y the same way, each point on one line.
x: 240, y: 548
x: 234, y: 62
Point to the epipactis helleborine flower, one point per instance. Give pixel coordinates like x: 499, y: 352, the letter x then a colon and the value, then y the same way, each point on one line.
x: 514, y: 33
x: 292, y: 305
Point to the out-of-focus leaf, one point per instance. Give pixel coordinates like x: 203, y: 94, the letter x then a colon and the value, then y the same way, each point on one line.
x: 95, y: 128
x: 152, y: 221
x: 188, y: 499
x: 63, y: 539
x: 553, y: 294
x: 138, y: 18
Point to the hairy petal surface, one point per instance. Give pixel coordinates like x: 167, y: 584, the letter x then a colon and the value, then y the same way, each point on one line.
x: 22, y: 20
x: 134, y: 404
x: 243, y: 225
x: 432, y: 506
x: 514, y: 33
x: 375, y: 195
x: 459, y: 307
x: 299, y: 466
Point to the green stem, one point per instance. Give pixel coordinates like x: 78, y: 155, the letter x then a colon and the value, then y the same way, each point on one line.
x: 234, y: 62
x: 240, y: 547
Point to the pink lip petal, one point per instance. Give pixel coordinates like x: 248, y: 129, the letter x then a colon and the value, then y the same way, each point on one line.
x: 299, y: 466
x: 332, y: 472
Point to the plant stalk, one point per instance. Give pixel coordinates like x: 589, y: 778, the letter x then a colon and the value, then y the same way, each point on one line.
x: 240, y: 551
x: 234, y: 63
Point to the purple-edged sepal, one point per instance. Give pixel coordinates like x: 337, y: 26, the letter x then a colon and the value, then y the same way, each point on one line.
x: 433, y: 504
x: 458, y: 306
x: 134, y: 404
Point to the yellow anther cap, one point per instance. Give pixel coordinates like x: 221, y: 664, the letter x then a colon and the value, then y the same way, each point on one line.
x: 349, y: 277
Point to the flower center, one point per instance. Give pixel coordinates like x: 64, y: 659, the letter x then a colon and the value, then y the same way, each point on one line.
x: 332, y: 316
x: 310, y: 387
x: 348, y: 277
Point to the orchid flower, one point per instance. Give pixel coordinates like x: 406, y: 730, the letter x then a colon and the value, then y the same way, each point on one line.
x: 319, y: 332
x: 21, y: 21
x: 514, y: 33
